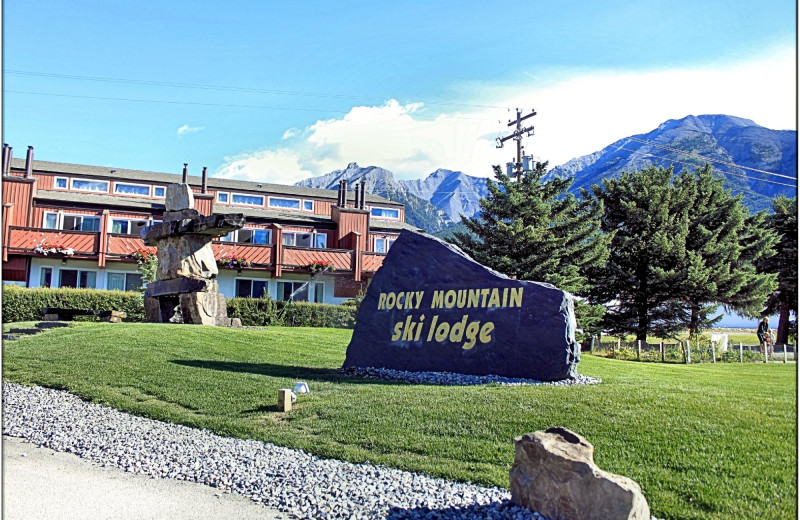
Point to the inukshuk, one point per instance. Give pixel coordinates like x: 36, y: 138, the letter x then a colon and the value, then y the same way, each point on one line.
x: 186, y: 289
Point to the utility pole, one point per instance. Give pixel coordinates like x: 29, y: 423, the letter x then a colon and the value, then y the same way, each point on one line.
x: 522, y: 163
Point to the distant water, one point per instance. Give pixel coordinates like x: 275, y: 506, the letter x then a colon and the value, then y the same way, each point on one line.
x: 732, y: 321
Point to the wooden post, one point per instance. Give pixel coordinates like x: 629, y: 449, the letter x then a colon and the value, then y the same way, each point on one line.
x: 785, y: 355
x: 688, y: 352
x: 741, y: 356
x: 591, y: 346
x: 285, y: 400
x: 638, y: 350
x: 766, y: 353
x: 713, y: 352
x: 661, y: 348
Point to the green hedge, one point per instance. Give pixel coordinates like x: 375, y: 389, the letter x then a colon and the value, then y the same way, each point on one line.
x: 21, y: 304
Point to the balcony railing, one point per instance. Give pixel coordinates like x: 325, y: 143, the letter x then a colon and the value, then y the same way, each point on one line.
x: 120, y: 247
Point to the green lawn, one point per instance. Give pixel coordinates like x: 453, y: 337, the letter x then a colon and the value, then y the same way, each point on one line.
x: 703, y: 441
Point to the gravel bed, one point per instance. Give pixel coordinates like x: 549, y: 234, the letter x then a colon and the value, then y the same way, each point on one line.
x: 291, y: 481
x: 451, y: 378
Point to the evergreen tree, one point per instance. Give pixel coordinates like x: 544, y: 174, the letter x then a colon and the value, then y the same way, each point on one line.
x: 783, y: 301
x: 534, y: 230
x: 649, y: 219
x: 721, y: 247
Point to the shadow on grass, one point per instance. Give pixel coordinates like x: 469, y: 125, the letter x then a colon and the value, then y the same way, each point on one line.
x: 327, y: 375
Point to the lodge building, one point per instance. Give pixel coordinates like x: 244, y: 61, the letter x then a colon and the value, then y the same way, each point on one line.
x: 73, y: 225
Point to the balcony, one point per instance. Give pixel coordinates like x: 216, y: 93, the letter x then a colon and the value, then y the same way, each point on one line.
x: 120, y: 247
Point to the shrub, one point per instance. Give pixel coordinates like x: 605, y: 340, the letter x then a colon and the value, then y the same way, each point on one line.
x: 22, y: 304
x: 254, y: 312
x: 305, y: 314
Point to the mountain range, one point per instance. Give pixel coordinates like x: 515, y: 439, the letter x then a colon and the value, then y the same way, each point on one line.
x: 755, y: 161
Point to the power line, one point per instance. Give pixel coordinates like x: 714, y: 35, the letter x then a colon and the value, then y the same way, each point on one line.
x: 227, y: 105
x: 716, y: 169
x: 707, y: 159
x: 228, y: 88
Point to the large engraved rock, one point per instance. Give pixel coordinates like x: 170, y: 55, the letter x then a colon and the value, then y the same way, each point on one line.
x: 555, y: 475
x: 178, y: 197
x: 430, y: 307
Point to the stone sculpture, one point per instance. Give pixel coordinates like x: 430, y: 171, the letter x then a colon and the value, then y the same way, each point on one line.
x: 186, y: 289
x: 555, y: 475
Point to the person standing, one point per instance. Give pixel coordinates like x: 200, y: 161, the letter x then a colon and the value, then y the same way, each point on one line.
x: 763, y: 333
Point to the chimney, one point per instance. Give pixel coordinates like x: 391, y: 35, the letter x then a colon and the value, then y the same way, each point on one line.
x: 363, y: 195
x: 344, y: 193
x: 358, y: 194
x: 205, y: 179
x: 7, y: 166
x: 340, y: 196
x: 5, y: 158
x: 29, y: 163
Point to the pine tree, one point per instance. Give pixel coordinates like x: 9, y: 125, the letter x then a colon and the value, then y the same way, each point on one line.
x: 535, y: 230
x: 783, y: 301
x: 650, y: 220
x: 721, y: 247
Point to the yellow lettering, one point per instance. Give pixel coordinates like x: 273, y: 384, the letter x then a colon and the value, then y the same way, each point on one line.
x: 442, y: 331
x: 398, y: 331
x: 462, y: 298
x: 433, y: 326
x: 474, y: 298
x: 400, y: 297
x: 390, y: 300
x: 408, y: 333
x: 486, y: 332
x: 419, y: 327
x: 382, y: 301
x: 438, y: 300
x: 457, y: 332
x: 450, y: 299
x: 472, y: 332
x: 419, y: 294
x: 516, y: 297
x: 494, y: 300
x: 505, y: 296
x: 484, y: 293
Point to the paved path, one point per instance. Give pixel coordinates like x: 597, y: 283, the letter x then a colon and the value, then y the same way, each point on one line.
x: 42, y: 484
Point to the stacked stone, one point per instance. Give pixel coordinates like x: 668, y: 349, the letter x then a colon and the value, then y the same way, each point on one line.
x: 186, y: 289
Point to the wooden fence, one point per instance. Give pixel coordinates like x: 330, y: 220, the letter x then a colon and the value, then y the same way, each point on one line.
x: 686, y: 352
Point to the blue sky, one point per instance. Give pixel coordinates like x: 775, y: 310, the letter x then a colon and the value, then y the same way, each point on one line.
x: 280, y: 91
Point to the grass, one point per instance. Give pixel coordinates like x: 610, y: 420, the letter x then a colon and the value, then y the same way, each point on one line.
x: 703, y: 441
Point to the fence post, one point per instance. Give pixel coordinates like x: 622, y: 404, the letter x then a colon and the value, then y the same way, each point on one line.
x: 741, y: 357
x: 591, y: 346
x: 638, y: 350
x: 713, y: 352
x: 688, y: 352
x: 661, y: 348
x: 766, y: 353
x: 785, y: 355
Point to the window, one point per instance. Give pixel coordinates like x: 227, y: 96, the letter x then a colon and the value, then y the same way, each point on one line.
x: 84, y: 185
x: 60, y: 183
x: 77, y: 278
x: 382, y: 245
x: 46, y: 277
x: 301, y: 291
x: 124, y: 281
x: 308, y: 205
x: 80, y: 223
x: 293, y: 238
x: 222, y: 197
x: 128, y: 227
x: 385, y: 213
x: 131, y: 189
x: 228, y: 237
x: 320, y: 240
x: 278, y: 202
x: 50, y: 221
x: 250, y: 200
x: 255, y: 236
x: 159, y: 191
x: 251, y: 288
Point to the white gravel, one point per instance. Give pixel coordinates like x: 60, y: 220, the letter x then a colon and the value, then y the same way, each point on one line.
x: 291, y: 481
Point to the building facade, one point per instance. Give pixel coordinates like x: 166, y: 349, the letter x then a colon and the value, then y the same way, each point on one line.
x: 71, y: 225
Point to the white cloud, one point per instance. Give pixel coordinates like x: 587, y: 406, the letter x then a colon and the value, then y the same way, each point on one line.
x: 186, y: 129
x: 579, y: 114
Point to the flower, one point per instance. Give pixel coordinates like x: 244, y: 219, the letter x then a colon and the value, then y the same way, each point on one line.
x: 143, y: 256
x: 320, y: 265
x: 234, y: 262
x: 43, y: 248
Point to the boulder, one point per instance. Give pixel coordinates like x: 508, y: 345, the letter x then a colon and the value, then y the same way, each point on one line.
x: 189, y: 256
x: 178, y: 197
x: 555, y: 475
